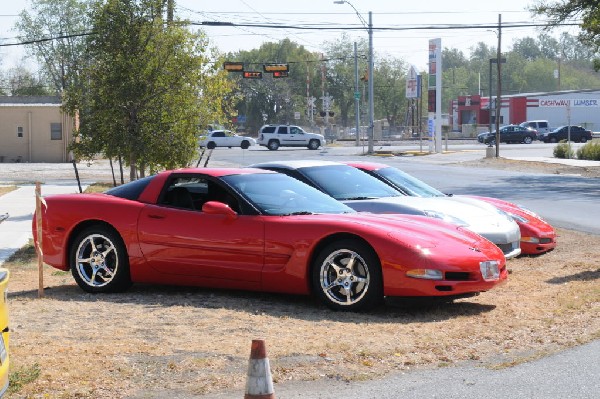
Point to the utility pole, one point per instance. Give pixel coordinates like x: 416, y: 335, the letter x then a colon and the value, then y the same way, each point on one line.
x: 356, y: 96
x: 498, y: 86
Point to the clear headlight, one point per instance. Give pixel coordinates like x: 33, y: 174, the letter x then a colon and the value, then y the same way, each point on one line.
x: 446, y: 218
x: 534, y: 240
x: 428, y: 274
x: 490, y: 271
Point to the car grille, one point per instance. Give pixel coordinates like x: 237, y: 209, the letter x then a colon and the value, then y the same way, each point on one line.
x: 545, y: 240
x: 507, y: 248
x: 458, y: 276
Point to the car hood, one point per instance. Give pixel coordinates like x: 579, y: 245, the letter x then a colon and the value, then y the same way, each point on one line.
x: 419, y: 231
x: 478, y: 216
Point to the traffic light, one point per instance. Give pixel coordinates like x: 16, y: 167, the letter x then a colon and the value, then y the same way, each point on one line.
x: 233, y: 66
x: 281, y: 74
x: 276, y: 67
x: 252, y: 75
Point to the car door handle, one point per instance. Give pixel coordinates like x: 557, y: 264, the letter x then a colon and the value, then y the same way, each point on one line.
x: 154, y: 216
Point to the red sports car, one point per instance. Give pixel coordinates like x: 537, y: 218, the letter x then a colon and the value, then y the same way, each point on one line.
x: 258, y: 230
x: 537, y: 236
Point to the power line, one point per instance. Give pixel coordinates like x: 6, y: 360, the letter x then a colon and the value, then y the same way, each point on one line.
x: 318, y: 27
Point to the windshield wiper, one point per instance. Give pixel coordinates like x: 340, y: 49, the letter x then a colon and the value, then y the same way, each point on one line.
x: 298, y: 213
x: 356, y: 198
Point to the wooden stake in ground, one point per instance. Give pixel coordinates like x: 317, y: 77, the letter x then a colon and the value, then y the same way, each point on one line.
x: 38, y: 223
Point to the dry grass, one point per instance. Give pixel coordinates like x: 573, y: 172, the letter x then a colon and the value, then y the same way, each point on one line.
x: 153, y: 339
x: 6, y: 189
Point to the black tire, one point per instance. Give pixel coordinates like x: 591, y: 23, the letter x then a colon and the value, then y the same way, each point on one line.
x: 344, y: 286
x: 313, y: 144
x: 211, y: 145
x: 528, y: 140
x: 552, y: 139
x: 583, y: 139
x: 245, y: 144
x: 273, y: 145
x: 98, y: 260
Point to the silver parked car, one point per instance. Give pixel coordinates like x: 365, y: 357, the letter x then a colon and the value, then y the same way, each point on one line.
x: 366, y: 193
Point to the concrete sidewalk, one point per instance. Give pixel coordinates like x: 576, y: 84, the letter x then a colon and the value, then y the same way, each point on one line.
x: 15, y: 231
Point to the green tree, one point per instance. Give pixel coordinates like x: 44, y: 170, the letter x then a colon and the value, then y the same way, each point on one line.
x: 148, y: 86
x: 390, y: 92
x: 340, y: 75
x: 22, y: 82
x: 66, y: 23
x: 276, y: 99
x: 588, y: 11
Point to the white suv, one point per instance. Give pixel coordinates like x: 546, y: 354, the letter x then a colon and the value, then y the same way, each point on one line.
x: 275, y: 136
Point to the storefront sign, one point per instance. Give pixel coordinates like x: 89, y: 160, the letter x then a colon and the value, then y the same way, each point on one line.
x: 590, y: 103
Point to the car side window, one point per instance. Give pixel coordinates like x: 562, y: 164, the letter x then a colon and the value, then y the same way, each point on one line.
x: 269, y: 129
x: 295, y: 130
x: 218, y: 134
x: 193, y: 192
x: 282, y: 130
x: 543, y: 125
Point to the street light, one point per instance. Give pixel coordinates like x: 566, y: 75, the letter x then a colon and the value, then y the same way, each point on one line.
x: 369, y: 27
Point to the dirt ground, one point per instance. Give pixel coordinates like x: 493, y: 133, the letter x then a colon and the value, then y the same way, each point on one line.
x: 534, y: 167
x: 157, y: 341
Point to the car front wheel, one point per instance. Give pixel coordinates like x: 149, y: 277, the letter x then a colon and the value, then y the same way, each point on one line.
x: 245, y: 144
x: 583, y: 140
x: 313, y: 144
x: 528, y: 140
x: 211, y: 145
x: 273, y: 145
x: 98, y: 261
x: 346, y: 275
x: 552, y: 139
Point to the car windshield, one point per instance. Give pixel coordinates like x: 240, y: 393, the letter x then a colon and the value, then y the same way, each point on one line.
x: 344, y: 183
x: 409, y: 184
x: 279, y: 194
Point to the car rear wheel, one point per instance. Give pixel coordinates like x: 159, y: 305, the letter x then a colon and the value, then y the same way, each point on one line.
x: 346, y: 275
x: 211, y: 145
x: 313, y: 144
x: 273, y: 145
x: 552, y: 139
x: 528, y: 140
x: 245, y: 144
x: 98, y: 261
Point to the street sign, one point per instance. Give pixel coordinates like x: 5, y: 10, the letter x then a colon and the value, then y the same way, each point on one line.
x: 357, y: 95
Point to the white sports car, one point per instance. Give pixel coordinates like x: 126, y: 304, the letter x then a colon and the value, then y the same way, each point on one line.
x: 225, y: 138
x: 365, y: 193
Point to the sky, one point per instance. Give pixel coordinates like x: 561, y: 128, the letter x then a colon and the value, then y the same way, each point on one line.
x: 409, y: 45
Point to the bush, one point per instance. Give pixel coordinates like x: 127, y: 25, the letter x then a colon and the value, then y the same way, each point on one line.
x: 563, y: 150
x: 590, y: 151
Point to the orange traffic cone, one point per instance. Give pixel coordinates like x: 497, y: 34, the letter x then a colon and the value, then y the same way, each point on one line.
x: 259, y: 384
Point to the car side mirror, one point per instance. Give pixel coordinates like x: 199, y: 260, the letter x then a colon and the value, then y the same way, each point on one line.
x: 218, y: 208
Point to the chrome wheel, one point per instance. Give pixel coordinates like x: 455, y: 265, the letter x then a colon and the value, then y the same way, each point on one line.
x: 273, y: 145
x: 98, y: 261
x: 344, y: 277
x: 347, y: 276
